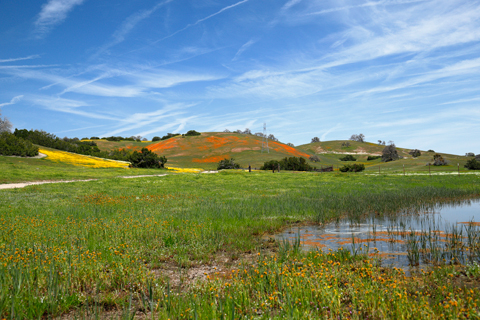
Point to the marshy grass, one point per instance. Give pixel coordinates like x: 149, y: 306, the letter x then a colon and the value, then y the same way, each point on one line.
x: 119, y: 244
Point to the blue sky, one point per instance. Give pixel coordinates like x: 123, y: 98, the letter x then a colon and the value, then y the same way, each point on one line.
x: 400, y: 70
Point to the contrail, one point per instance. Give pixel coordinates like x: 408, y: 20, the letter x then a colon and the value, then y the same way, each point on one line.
x: 201, y: 20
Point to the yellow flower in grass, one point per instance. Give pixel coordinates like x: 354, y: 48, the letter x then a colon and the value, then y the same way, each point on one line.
x: 82, y: 160
x: 187, y: 170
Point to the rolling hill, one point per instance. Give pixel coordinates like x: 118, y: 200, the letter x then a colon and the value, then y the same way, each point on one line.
x: 206, y: 150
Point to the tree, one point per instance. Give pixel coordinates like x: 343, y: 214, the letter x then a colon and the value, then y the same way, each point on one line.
x: 247, y: 131
x: 315, y: 139
x: 290, y: 144
x: 228, y: 164
x: 389, y: 153
x: 5, y: 124
x: 272, y: 137
x: 379, y: 142
x: 192, y: 133
x: 291, y: 163
x: 469, y: 154
x: 415, y: 153
x: 438, y: 160
x: 156, y: 138
x: 226, y: 130
x: 473, y: 164
x: 259, y: 134
x: 358, y: 137
x: 147, y: 159
x: 314, y: 158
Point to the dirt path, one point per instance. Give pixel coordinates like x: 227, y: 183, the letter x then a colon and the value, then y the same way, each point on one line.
x: 25, y: 184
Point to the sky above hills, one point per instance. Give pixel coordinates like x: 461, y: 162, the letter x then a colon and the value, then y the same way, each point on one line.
x: 400, y: 70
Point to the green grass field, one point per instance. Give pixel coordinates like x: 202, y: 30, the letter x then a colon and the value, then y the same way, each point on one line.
x: 187, y: 246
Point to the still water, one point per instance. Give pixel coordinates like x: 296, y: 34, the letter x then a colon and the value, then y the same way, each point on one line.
x: 447, y: 233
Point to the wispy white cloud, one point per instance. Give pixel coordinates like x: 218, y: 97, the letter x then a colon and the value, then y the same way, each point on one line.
x: 53, y: 13
x: 13, y: 101
x: 363, y: 5
x: 201, y: 20
x: 242, y: 49
x: 128, y: 25
x: 19, y: 59
x: 69, y: 106
x: 462, y: 101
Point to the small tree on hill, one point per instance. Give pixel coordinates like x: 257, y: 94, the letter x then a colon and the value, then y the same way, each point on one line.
x: 389, y: 153
x: 438, y: 160
x: 315, y: 139
x: 147, y: 159
x: 290, y: 144
x: 192, y: 133
x: 358, y: 137
x: 415, y: 153
x: 314, y: 158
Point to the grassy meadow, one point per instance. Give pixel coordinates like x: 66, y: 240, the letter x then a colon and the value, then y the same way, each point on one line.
x: 197, y: 246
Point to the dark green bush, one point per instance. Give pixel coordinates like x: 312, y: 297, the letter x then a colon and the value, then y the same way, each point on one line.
x: 472, y: 164
x: 146, y: 159
x: 354, y: 167
x: 192, y: 133
x: 370, y: 158
x: 11, y: 145
x: 291, y: 163
x: 156, y: 138
x: 348, y: 157
x: 228, y: 164
x: 270, y: 165
x: 171, y: 135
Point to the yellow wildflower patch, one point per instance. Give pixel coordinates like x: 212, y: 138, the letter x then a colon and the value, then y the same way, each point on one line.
x: 82, y: 160
x: 188, y: 170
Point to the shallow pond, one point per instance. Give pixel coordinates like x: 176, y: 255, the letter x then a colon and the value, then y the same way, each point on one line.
x: 448, y: 233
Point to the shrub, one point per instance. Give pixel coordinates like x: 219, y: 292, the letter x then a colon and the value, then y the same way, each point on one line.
x: 146, y: 159
x: 156, y: 138
x: 438, y: 160
x: 389, y: 153
x: 291, y: 163
x: 370, y: 158
x: 270, y: 165
x: 354, y: 167
x: 10, y: 145
x: 348, y: 157
x: 430, y: 150
x: 415, y: 153
x: 469, y: 154
x: 472, y: 164
x: 314, y: 158
x: 228, y: 164
x: 192, y: 133
x: 94, y: 138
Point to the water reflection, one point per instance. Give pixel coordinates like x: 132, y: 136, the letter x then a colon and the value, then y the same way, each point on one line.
x: 447, y: 233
